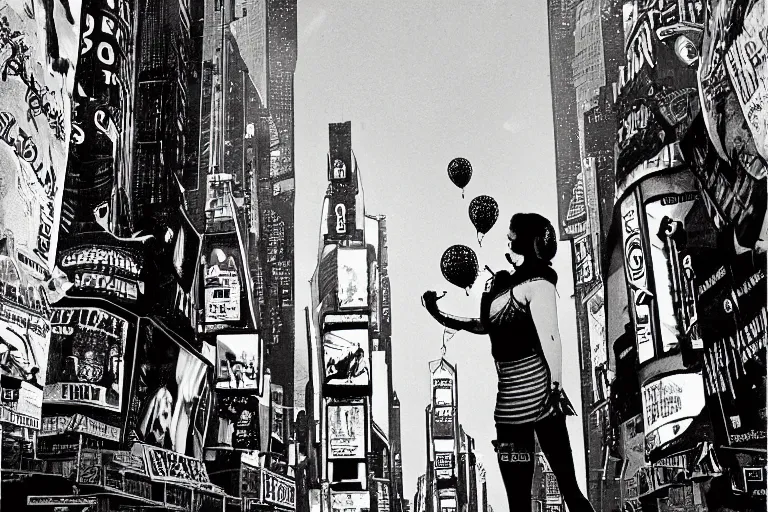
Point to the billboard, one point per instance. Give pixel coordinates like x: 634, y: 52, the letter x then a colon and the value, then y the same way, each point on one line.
x: 240, y: 362
x: 732, y: 311
x: 352, y: 278
x: 86, y: 363
x: 350, y: 501
x: 670, y: 405
x: 641, y: 302
x: 346, y: 357
x: 171, y: 396
x: 663, y: 214
x: 98, y: 264
x: 38, y: 73
x: 346, y: 431
x: 597, y: 346
x: 224, y: 282
x: 243, y: 421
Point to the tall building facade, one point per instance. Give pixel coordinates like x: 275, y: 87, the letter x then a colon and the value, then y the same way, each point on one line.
x: 353, y: 451
x: 664, y: 241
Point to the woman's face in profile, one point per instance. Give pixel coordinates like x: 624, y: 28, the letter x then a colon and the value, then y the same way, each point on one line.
x: 514, y: 258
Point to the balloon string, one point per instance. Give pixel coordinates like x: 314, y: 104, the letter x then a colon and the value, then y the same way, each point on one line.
x: 467, y: 290
x: 480, y: 238
x: 462, y: 193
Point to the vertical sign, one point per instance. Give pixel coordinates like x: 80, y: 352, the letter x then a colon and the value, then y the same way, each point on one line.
x: 635, y: 266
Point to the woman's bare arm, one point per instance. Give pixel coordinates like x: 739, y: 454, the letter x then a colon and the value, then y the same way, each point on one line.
x: 541, y: 298
x: 460, y: 323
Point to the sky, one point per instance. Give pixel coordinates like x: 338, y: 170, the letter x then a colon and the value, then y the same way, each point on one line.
x: 423, y: 83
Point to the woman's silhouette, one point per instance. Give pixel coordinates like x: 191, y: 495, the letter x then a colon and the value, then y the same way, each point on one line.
x: 519, y: 313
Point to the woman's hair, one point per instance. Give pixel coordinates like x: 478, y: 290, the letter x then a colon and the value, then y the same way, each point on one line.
x: 534, y: 236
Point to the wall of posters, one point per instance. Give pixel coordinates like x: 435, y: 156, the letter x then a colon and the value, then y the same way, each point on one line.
x: 38, y: 73
x: 171, y: 395
x: 240, y: 362
x: 346, y: 431
x: 353, y: 278
x: 657, y: 87
x: 346, y: 357
x: 670, y: 405
x: 86, y: 363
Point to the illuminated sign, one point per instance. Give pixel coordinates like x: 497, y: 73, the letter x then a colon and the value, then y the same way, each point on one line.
x: 352, y: 278
x: 669, y: 406
x: 102, y: 257
x: 168, y: 466
x: 641, y: 304
x: 346, y: 431
x: 89, y: 346
x: 54, y: 425
x: 350, y: 501
x: 443, y: 460
x: 346, y: 357
x: 345, y: 319
x: 240, y: 364
x: 111, y: 285
x: 223, y: 285
x: 62, y: 501
x: 278, y: 490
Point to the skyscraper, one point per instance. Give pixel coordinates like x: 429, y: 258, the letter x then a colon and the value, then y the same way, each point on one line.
x: 276, y: 201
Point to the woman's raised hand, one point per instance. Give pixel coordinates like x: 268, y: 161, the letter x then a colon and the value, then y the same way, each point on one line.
x: 429, y: 301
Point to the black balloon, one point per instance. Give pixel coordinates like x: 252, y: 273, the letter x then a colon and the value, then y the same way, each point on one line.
x: 459, y: 266
x: 460, y: 172
x: 483, y: 212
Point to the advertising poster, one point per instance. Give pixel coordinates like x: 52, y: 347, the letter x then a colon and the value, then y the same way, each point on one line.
x: 585, y: 260
x: 670, y: 405
x: 641, y: 305
x: 597, y: 346
x: 575, y: 222
x: 86, y: 364
x: 657, y: 87
x: 240, y: 363
x: 39, y: 60
x: 443, y: 422
x: 353, y: 278
x: 223, y: 282
x: 667, y: 215
x: 99, y: 264
x: 346, y: 431
x: 171, y: 396
x: 346, y: 357
x: 633, y: 441
x: 240, y: 419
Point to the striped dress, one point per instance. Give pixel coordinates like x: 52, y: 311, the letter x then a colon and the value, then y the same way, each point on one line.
x: 524, y: 382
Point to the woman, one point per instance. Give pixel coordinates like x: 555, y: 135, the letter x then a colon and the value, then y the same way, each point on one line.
x: 519, y: 313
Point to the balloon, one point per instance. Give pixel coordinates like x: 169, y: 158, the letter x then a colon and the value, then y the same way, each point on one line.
x: 460, y: 172
x: 459, y: 266
x: 483, y: 212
